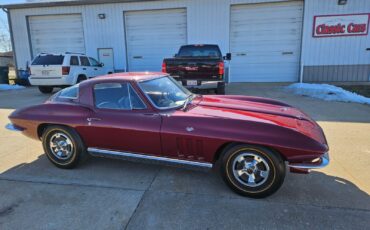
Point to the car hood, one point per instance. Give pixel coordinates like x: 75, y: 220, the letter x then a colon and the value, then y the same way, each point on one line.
x: 256, y: 109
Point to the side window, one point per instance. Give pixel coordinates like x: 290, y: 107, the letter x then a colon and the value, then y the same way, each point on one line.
x: 84, y: 61
x: 74, y: 60
x: 70, y: 92
x: 136, y: 102
x: 94, y: 62
x: 119, y: 96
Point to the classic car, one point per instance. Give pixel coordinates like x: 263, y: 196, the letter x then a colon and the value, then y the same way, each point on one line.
x: 151, y: 117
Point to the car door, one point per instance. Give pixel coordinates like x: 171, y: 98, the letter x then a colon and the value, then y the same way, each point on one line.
x: 97, y: 68
x: 121, y: 121
x: 86, y: 67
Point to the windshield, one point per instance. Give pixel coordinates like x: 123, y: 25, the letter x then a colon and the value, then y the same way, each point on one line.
x: 199, y: 51
x: 165, y: 92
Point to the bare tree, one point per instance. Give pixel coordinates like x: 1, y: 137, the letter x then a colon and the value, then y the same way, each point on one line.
x: 5, y: 43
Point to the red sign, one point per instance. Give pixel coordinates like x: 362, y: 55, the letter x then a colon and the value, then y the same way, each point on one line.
x: 341, y: 25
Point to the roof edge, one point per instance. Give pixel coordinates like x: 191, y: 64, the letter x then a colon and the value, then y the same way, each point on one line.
x: 66, y: 3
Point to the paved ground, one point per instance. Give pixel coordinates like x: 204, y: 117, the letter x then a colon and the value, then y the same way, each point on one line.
x: 108, y: 194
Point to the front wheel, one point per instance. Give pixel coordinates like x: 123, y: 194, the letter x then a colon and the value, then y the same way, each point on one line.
x: 46, y: 89
x: 63, y: 146
x: 253, y: 171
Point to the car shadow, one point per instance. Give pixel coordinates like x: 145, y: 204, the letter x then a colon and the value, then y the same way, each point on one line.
x: 315, y: 189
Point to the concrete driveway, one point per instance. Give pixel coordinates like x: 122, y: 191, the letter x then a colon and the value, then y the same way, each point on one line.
x: 109, y: 194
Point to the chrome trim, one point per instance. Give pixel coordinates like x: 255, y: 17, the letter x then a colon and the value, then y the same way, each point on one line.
x: 12, y: 127
x: 126, y: 155
x: 321, y: 163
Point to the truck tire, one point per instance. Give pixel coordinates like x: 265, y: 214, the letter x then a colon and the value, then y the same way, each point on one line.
x: 46, y: 89
x: 220, y: 88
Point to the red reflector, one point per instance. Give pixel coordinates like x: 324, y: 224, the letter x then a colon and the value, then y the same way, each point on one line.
x: 65, y: 70
x: 221, y: 68
x: 164, y: 67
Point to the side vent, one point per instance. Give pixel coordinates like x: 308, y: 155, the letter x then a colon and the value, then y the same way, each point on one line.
x: 190, y: 149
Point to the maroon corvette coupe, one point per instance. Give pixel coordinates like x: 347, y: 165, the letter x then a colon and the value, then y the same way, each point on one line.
x: 150, y: 117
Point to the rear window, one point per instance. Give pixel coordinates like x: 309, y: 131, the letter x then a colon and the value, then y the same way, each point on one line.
x: 48, y: 60
x: 199, y: 51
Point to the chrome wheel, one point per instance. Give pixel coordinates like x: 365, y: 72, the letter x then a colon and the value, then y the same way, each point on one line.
x: 250, y: 169
x: 61, y: 146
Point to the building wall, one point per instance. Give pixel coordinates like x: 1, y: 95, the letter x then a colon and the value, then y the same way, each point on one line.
x: 334, y: 59
x: 207, y: 22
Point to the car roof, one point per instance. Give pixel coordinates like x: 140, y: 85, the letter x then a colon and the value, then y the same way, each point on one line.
x: 130, y: 76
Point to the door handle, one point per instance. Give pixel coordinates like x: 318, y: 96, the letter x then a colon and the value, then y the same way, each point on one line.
x: 287, y: 53
x: 95, y: 68
x: 137, y: 57
x: 84, y: 68
x: 151, y: 114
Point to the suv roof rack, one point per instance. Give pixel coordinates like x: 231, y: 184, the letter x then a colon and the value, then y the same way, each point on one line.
x: 74, y: 53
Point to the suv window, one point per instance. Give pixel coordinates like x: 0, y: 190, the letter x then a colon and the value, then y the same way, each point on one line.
x: 70, y: 92
x: 84, y: 61
x: 48, y: 60
x: 74, y: 60
x: 200, y: 51
x: 94, y: 62
x: 120, y: 96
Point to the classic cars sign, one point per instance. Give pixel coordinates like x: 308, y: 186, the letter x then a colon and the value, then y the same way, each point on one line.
x: 341, y: 25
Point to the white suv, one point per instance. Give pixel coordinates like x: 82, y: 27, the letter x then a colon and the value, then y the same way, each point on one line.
x: 59, y: 70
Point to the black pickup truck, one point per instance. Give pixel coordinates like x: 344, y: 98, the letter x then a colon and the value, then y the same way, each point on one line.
x: 198, y: 66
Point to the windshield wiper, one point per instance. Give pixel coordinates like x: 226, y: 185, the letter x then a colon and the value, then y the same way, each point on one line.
x: 187, y: 101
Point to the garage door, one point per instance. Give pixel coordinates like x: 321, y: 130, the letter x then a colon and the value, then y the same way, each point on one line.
x: 56, y: 34
x: 153, y: 35
x: 265, y: 41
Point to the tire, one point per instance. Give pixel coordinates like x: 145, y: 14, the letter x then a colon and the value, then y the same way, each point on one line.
x: 81, y: 78
x: 220, y: 88
x: 72, y: 150
x: 46, y: 89
x: 241, y: 165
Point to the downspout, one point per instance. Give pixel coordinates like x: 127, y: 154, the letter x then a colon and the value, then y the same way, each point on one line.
x: 11, y: 39
x: 301, y: 69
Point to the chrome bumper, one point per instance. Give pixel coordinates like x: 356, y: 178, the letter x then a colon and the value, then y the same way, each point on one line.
x: 12, y: 127
x: 321, y: 163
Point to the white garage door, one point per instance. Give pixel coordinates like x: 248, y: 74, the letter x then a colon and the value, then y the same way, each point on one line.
x: 265, y: 41
x: 153, y: 35
x: 56, y: 34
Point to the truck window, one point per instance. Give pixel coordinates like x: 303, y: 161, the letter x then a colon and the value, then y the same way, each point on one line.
x: 199, y: 51
x: 48, y: 60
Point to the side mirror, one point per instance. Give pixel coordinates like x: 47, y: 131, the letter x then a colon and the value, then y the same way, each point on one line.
x: 101, y: 64
x: 175, y: 55
x: 227, y: 57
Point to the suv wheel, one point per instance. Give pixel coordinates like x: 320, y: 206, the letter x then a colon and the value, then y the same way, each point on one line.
x: 81, y: 78
x: 252, y: 171
x: 46, y: 89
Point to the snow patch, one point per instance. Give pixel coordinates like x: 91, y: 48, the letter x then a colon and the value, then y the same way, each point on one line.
x: 327, y: 92
x: 10, y: 87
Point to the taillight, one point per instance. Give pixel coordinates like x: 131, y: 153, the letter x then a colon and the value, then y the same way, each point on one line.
x: 65, y: 70
x: 164, y: 67
x: 221, y: 68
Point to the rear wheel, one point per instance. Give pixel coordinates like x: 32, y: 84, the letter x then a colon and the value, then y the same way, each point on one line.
x: 46, y: 89
x: 63, y: 146
x: 253, y: 171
